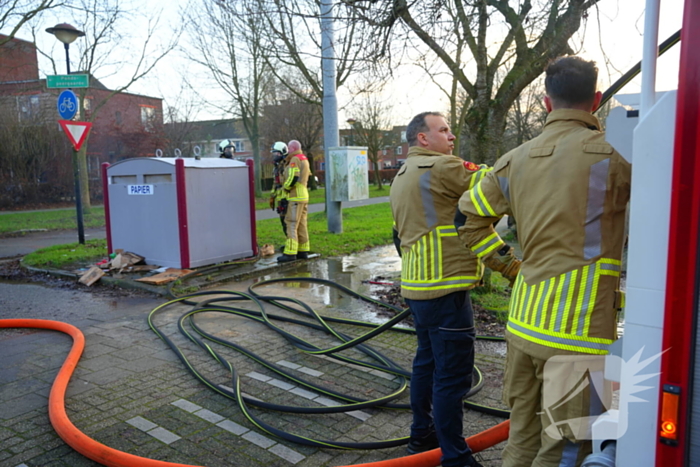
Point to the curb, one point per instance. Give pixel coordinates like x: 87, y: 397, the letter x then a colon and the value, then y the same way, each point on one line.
x: 126, y: 283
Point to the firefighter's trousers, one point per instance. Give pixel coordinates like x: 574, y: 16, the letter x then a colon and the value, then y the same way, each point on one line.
x: 297, y: 233
x: 554, y: 403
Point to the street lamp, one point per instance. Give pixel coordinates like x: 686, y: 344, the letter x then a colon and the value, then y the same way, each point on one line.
x: 66, y: 33
x: 351, y: 122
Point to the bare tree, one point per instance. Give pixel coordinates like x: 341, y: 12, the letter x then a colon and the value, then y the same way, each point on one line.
x: 180, y: 126
x: 293, y: 117
x: 106, y: 24
x: 33, y: 168
x: 293, y: 45
x: 526, y: 117
x: 16, y: 13
x: 372, y: 128
x: 227, y: 41
x: 514, y: 38
x: 431, y: 66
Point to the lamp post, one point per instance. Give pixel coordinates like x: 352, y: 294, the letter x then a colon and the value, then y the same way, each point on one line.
x: 66, y: 33
x: 351, y: 122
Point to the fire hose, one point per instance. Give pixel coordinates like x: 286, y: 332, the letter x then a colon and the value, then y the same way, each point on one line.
x: 105, y: 455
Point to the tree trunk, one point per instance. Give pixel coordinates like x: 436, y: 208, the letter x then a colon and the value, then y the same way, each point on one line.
x: 377, y: 175
x: 312, y: 179
x: 257, y: 168
x: 486, y: 128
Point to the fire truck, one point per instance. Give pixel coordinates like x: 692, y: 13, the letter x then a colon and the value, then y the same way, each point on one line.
x: 656, y: 362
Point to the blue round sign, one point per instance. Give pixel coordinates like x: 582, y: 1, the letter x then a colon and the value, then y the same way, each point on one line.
x: 67, y: 104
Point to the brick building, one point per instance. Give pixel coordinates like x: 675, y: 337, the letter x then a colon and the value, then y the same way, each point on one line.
x: 124, y: 125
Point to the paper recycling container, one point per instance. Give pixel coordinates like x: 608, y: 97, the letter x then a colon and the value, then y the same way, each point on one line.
x: 180, y: 212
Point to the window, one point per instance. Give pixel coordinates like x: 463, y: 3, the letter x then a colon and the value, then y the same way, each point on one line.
x: 118, y: 117
x: 148, y: 117
x: 403, y: 137
x: 240, y: 147
x: 399, y: 150
x: 28, y: 107
x: 384, y: 152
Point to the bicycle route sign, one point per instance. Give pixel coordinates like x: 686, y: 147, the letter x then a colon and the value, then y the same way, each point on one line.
x: 67, y: 104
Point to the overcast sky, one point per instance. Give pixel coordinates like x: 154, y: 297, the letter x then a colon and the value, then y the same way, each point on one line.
x: 619, y: 38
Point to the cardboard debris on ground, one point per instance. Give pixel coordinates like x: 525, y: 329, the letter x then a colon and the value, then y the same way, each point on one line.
x: 124, y: 259
x: 91, y: 276
x: 169, y: 275
x: 267, y: 250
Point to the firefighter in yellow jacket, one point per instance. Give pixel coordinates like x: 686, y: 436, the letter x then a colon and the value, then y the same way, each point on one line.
x: 436, y: 274
x: 568, y: 189
x: 296, y: 176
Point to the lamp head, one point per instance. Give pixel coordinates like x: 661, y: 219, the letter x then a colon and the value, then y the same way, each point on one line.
x: 65, y: 32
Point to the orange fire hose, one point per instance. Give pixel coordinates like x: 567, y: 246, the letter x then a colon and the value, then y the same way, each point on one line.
x: 110, y: 457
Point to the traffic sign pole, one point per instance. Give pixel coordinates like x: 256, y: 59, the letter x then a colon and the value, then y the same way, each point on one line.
x: 78, y: 199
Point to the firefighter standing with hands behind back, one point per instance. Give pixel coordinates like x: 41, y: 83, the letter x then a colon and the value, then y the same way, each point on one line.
x: 278, y: 196
x: 296, y: 175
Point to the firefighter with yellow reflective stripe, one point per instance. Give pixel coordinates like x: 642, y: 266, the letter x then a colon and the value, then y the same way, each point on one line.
x: 296, y: 176
x: 436, y: 274
x: 568, y: 189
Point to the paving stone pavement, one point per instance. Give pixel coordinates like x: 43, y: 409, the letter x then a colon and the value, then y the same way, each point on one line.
x: 131, y: 392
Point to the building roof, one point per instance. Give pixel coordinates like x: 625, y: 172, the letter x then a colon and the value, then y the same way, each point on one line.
x: 206, y: 130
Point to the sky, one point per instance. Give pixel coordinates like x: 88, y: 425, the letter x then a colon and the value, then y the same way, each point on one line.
x: 613, y: 38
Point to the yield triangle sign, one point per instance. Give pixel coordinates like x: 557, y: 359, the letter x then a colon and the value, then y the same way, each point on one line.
x: 76, y: 131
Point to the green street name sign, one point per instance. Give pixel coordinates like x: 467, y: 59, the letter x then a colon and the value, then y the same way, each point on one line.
x: 67, y: 81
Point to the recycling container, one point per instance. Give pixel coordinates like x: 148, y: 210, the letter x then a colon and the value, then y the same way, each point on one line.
x: 180, y: 212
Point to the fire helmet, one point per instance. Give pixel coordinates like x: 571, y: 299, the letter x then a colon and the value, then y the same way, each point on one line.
x: 227, y: 149
x: 280, y: 147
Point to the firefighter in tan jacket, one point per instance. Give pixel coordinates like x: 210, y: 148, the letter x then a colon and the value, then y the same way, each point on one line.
x: 568, y: 189
x: 296, y: 176
x: 436, y: 274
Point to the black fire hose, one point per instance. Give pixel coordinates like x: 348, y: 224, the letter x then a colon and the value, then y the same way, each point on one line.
x: 224, y: 302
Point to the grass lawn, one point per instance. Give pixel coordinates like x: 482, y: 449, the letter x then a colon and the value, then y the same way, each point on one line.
x: 319, y: 196
x: 62, y: 219
x: 58, y: 219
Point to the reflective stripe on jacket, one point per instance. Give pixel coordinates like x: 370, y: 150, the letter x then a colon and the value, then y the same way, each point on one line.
x: 568, y: 191
x: 558, y: 312
x: 297, y: 165
x: 424, y: 196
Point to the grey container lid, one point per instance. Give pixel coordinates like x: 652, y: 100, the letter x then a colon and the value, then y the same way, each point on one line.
x: 190, y: 162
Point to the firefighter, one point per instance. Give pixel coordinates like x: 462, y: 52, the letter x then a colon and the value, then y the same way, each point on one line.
x: 278, y: 196
x: 437, y: 273
x: 227, y: 149
x: 296, y: 175
x: 568, y: 189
